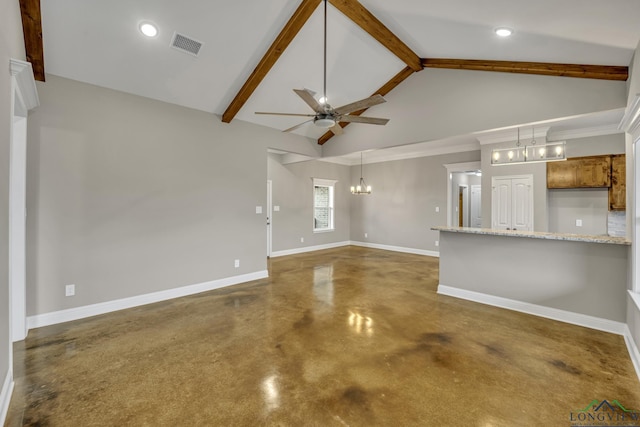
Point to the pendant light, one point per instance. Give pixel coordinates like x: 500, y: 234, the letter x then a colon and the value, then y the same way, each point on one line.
x: 362, y: 187
x: 532, y: 153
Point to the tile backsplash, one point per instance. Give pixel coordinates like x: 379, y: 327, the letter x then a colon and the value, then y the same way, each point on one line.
x: 617, y: 224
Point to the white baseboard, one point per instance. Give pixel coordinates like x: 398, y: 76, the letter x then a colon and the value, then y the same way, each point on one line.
x: 634, y: 354
x: 68, y: 315
x: 276, y: 254
x: 5, y: 396
x: 537, y: 310
x: 397, y: 249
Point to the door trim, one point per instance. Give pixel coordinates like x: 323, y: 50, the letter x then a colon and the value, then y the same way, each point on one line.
x: 24, y: 97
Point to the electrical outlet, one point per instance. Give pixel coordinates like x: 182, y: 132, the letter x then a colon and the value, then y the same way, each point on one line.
x: 366, y: 235
x: 437, y: 243
x: 236, y: 263
x: 69, y: 290
x: 578, y: 223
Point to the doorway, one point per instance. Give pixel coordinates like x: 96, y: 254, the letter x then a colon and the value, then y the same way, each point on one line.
x: 24, y: 97
x: 464, y: 194
x: 463, y: 206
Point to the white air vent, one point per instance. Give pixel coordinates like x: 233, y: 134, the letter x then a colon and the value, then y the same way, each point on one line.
x: 185, y: 44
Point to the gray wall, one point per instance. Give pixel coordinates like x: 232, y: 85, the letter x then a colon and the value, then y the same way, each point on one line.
x: 128, y: 195
x: 434, y: 104
x: 401, y: 209
x: 585, y: 278
x: 11, y: 46
x: 589, y: 205
x: 292, y: 188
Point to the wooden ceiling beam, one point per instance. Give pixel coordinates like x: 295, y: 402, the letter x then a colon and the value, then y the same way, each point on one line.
x: 32, y: 32
x: 603, y: 72
x: 376, y: 29
x: 388, y: 87
x: 277, y: 48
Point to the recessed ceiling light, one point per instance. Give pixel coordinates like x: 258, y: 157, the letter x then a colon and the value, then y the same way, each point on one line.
x: 148, y: 29
x: 503, y: 31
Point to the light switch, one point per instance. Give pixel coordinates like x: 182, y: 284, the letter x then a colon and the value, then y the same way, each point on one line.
x: 258, y: 209
x: 437, y: 208
x: 276, y: 208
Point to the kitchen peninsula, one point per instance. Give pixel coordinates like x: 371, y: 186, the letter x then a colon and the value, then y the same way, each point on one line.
x: 574, y: 278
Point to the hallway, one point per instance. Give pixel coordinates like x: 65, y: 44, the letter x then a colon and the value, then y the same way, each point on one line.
x: 348, y: 336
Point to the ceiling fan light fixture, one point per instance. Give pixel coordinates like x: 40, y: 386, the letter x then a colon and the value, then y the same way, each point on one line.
x: 503, y: 31
x: 324, y: 122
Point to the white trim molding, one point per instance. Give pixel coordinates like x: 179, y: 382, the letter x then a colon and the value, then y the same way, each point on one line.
x: 631, y: 121
x: 5, y: 396
x: 592, y: 322
x: 27, y: 93
x: 397, y: 249
x: 634, y: 354
x: 77, y: 313
x: 305, y: 249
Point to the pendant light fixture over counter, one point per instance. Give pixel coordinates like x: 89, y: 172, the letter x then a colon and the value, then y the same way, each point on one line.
x: 532, y: 153
x: 362, y: 187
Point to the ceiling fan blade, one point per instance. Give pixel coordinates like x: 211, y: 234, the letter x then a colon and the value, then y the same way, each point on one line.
x: 297, y: 126
x: 307, y: 96
x: 336, y: 129
x: 361, y: 119
x: 360, y: 105
x: 285, y: 114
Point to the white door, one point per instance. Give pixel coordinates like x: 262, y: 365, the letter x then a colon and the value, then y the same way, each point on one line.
x: 269, y: 213
x: 501, y: 204
x: 476, y: 206
x: 512, y: 203
x: 522, y: 204
x: 465, y: 205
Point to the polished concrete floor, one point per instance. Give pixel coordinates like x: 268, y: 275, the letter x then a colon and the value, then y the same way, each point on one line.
x: 343, y: 337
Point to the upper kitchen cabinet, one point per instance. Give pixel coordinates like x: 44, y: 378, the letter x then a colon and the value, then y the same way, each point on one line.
x: 618, y: 190
x: 580, y: 172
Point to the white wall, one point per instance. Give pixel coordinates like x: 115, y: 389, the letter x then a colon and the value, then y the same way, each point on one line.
x: 128, y: 196
x: 292, y: 188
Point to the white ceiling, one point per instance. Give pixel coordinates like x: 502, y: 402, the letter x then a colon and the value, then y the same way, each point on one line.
x: 98, y: 42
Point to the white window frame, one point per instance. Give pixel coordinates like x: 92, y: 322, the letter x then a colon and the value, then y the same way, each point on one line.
x: 331, y: 183
x: 631, y: 125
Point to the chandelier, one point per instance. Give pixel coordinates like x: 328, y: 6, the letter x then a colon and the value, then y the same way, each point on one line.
x: 532, y: 153
x: 362, y: 187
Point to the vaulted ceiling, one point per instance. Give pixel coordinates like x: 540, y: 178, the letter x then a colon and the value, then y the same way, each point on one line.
x: 255, y: 52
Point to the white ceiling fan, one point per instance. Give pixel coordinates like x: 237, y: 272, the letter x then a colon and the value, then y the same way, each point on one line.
x: 325, y: 116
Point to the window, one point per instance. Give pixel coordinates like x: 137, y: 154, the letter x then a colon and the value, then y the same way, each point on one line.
x: 323, y: 204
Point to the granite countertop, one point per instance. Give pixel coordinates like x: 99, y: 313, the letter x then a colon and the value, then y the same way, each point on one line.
x: 537, y: 235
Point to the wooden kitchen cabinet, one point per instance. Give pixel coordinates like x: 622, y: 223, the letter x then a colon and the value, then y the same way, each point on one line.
x: 580, y: 172
x: 618, y: 190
